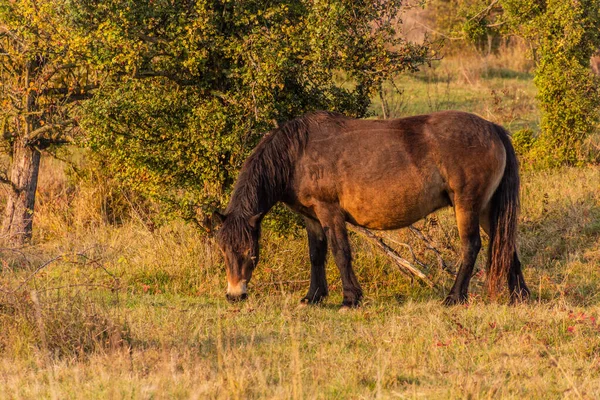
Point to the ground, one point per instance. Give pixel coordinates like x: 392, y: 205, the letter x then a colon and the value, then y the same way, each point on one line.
x: 99, y: 309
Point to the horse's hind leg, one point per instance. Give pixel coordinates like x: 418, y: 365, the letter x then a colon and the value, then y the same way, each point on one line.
x: 334, y: 225
x: 317, y: 244
x: 468, y: 230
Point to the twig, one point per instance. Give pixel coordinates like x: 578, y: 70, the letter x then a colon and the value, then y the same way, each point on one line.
x: 484, y: 11
x: 75, y: 285
x: 19, y: 252
x: 284, y: 282
x: 98, y: 264
x: 404, y: 265
x: 38, y: 269
x: 62, y: 256
x: 410, y: 249
x: 438, y: 32
x: 417, y: 232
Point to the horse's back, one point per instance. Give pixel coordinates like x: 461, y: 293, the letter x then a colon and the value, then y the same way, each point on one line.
x: 391, y: 173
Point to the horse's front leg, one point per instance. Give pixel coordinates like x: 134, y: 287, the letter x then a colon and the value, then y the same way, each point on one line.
x: 334, y: 226
x: 317, y: 244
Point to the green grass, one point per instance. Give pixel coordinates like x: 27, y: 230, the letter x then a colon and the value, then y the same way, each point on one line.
x: 498, y: 94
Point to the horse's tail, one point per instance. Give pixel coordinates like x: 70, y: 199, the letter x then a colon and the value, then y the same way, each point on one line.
x: 504, y: 211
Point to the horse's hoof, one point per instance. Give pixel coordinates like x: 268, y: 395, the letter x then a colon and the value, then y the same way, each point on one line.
x: 312, y: 300
x: 351, y: 303
x: 453, y: 300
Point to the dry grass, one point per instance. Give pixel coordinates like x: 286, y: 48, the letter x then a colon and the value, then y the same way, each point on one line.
x: 164, y: 330
x: 270, y: 348
x: 104, y: 307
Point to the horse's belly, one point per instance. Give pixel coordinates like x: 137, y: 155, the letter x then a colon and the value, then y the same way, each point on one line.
x: 392, y: 207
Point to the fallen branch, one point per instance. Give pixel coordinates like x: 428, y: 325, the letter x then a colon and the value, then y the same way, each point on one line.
x: 404, y: 265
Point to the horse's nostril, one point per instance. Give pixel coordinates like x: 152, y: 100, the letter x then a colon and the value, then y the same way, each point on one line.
x: 235, y: 299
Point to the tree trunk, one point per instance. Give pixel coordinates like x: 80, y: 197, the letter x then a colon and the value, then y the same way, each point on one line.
x: 18, y: 215
x: 24, y: 169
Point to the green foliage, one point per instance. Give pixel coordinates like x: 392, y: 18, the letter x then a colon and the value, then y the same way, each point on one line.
x: 473, y: 21
x: 523, y: 140
x: 195, y: 84
x: 569, y: 98
x: 283, y: 222
x: 42, y: 74
x: 565, y: 35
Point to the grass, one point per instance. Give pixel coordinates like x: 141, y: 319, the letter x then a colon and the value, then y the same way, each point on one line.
x: 484, y: 86
x: 185, y: 347
x: 94, y: 309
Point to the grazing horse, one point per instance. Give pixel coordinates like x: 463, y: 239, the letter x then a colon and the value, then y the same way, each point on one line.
x: 378, y: 174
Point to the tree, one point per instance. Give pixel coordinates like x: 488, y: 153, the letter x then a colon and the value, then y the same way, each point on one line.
x: 42, y: 79
x: 469, y: 21
x: 565, y: 35
x: 195, y: 84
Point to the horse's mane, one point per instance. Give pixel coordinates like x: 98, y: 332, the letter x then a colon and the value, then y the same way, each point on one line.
x: 265, y: 174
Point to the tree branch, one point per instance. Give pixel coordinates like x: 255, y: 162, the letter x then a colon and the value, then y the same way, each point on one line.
x: 442, y: 263
x: 46, y: 78
x: 163, y: 74
x: 39, y: 133
x: 404, y: 265
x: 484, y: 11
x: 75, y: 93
x: 6, y: 181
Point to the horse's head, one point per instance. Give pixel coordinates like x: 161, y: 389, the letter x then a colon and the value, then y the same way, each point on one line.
x: 238, y: 240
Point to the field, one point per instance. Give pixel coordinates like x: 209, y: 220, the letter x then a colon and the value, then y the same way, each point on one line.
x: 101, y: 309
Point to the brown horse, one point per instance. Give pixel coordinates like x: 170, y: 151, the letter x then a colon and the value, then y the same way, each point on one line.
x: 378, y: 174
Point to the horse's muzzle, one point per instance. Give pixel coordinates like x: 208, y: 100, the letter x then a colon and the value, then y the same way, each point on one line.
x: 236, y: 298
x: 237, y: 291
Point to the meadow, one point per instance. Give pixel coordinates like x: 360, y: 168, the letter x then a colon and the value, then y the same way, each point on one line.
x: 98, y: 307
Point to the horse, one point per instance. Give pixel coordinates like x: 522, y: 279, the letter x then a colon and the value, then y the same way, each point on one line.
x: 378, y: 174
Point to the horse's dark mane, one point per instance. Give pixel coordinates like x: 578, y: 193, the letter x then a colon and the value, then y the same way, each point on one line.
x: 265, y: 174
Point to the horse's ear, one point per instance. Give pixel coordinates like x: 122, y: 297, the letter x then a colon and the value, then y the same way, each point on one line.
x: 254, y: 221
x: 218, y: 218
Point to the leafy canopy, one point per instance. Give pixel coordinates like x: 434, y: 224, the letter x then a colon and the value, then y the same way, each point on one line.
x: 565, y: 35
x: 194, y: 84
x: 43, y: 74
